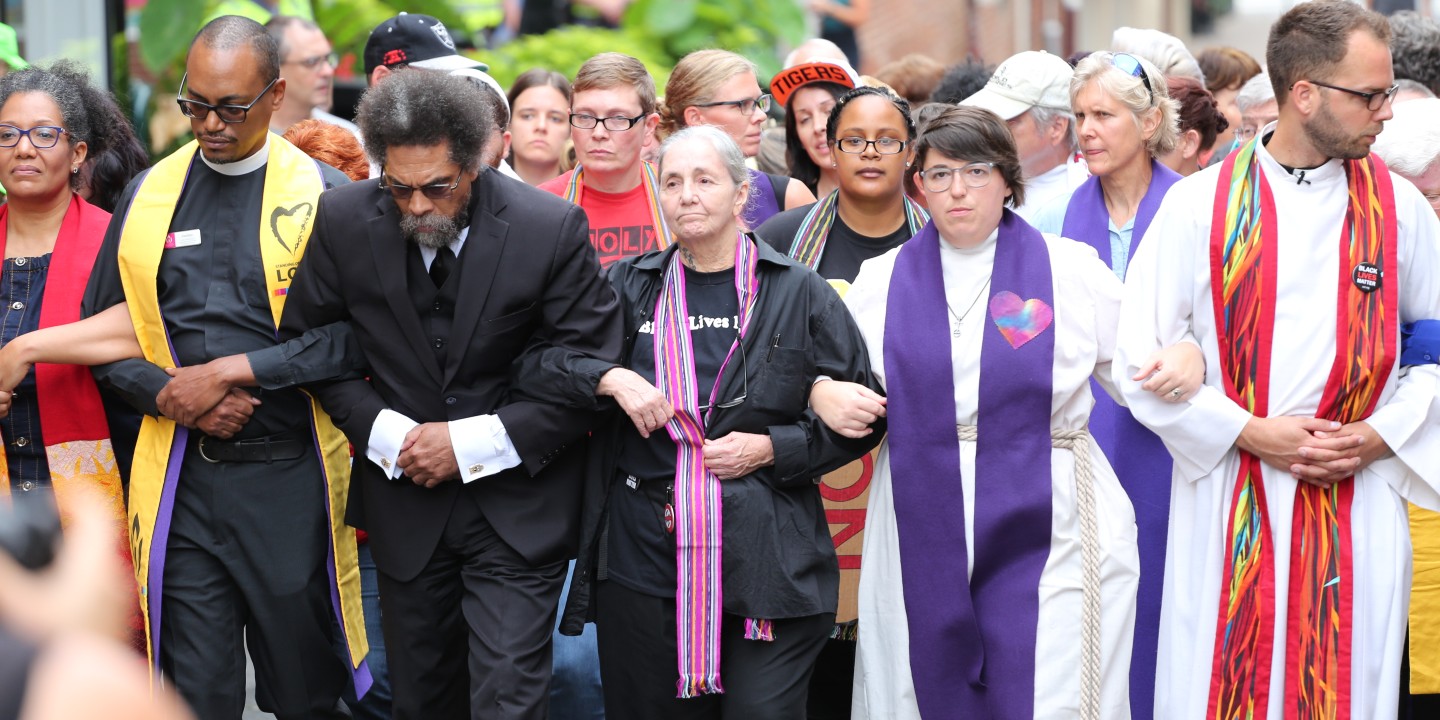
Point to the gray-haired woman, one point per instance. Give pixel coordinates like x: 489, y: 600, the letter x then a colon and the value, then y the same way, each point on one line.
x: 710, y: 543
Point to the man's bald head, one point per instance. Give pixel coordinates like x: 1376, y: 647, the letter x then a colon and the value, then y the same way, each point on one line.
x: 228, y: 32
x: 816, y: 49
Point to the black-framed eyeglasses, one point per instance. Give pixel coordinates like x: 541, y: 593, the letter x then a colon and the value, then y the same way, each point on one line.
x: 744, y: 380
x: 401, y: 193
x: 940, y: 178
x: 1131, y: 65
x: 232, y: 114
x: 42, y: 137
x: 1373, y: 100
x: 614, y: 123
x: 857, y: 145
x: 745, y: 106
x: 310, y: 63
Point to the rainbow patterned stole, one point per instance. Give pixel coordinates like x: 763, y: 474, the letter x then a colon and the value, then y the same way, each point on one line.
x: 697, y: 491
x: 1243, y: 256
x: 574, y: 188
x: 809, y: 243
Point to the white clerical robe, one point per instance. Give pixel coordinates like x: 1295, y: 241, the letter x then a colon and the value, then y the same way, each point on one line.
x: 1086, y: 305
x: 1167, y: 295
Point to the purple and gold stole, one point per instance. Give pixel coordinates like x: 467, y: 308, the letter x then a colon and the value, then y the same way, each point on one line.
x: 575, y: 188
x: 972, y: 639
x: 1243, y: 256
x: 698, y: 596
x: 1138, y: 456
x: 809, y: 244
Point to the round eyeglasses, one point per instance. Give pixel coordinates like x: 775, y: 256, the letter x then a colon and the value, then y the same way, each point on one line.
x: 41, y: 136
x: 940, y: 178
x: 857, y: 145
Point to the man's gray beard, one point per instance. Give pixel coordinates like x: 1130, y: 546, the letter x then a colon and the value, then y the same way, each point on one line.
x: 436, y: 231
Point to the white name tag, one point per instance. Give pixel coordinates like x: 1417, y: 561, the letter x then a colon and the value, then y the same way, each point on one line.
x: 184, y: 238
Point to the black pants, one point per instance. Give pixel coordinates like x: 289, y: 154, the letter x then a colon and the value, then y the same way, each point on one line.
x: 638, y: 669
x: 245, y: 563
x: 476, y: 604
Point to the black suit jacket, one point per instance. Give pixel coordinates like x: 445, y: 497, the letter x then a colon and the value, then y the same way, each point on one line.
x: 529, y: 279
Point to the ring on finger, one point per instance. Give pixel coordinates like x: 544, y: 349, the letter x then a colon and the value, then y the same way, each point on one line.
x: 1175, y: 394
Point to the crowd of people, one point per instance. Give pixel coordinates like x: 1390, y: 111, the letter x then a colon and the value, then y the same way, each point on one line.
x: 1137, y: 350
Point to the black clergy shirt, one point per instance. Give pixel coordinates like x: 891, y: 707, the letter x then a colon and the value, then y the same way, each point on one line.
x: 215, y: 301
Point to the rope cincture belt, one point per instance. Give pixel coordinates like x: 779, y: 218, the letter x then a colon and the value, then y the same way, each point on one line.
x: 1078, y: 443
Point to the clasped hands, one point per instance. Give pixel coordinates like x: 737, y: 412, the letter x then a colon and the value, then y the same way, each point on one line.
x: 735, y: 455
x: 205, y: 397
x: 1315, y: 451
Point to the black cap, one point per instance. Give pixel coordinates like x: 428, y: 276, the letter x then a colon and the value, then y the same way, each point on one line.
x: 415, y: 40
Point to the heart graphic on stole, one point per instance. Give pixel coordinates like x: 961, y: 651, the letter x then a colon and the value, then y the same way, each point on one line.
x: 1020, y: 321
x: 291, y: 222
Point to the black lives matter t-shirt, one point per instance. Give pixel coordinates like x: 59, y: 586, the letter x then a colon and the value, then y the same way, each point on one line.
x: 641, y: 550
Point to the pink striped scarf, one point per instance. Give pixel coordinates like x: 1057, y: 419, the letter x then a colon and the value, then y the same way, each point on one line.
x: 697, y: 491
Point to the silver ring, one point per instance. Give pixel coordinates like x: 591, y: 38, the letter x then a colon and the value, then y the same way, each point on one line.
x: 1175, y: 394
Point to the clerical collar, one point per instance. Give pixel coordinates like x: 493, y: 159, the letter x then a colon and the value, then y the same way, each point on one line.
x: 245, y: 166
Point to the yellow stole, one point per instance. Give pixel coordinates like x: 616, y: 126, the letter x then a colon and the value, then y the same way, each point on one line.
x: 293, y: 184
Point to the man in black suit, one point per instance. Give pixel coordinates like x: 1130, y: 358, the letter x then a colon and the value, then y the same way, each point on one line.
x: 471, y: 492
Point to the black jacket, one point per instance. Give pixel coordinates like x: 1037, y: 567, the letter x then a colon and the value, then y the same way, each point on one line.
x: 779, y: 559
x: 527, y: 272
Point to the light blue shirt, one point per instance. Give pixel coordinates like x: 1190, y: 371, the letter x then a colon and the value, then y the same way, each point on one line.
x: 1050, y: 218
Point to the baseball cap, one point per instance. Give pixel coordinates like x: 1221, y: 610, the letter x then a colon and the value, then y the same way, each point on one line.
x: 415, y: 40
x: 790, y: 79
x: 1025, y: 80
x: 10, y: 49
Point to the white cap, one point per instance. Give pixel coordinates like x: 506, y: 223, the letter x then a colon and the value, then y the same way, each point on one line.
x: 1025, y: 80
x: 484, y: 78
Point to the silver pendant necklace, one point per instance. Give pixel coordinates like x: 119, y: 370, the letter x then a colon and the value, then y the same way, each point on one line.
x: 960, y: 319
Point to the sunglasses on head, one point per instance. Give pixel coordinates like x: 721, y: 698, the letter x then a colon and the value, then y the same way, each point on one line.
x: 1131, y: 65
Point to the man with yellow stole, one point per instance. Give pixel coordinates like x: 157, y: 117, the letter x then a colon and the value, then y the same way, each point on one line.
x: 1294, y: 264
x: 237, y: 497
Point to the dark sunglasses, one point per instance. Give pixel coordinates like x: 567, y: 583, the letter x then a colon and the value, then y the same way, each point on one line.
x: 438, y: 191
x: 196, y: 110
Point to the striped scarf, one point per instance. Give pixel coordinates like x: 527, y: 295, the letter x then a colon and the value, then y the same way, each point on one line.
x: 809, y: 243
x: 697, y: 491
x: 1318, y: 609
x: 652, y: 193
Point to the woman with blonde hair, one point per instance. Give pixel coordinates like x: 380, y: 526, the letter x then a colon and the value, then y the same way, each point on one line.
x: 718, y: 87
x: 1125, y: 119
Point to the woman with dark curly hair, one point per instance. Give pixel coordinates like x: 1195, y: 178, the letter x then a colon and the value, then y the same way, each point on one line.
x: 56, y: 437
x: 1201, y: 122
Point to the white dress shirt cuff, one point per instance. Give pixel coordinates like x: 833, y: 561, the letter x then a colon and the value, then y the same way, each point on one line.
x: 482, y: 447
x: 386, y: 436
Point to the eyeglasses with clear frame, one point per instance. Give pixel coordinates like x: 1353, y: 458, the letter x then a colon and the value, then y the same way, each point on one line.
x: 1374, y: 100
x: 232, y: 114
x: 401, y: 193
x: 42, y: 137
x: 857, y: 145
x: 310, y: 63
x: 614, y: 123
x: 940, y: 178
x: 746, y: 106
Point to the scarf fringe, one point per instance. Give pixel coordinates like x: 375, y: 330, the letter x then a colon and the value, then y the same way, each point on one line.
x: 757, y: 629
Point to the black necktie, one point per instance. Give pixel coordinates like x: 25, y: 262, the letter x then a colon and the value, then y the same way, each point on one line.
x: 441, y: 266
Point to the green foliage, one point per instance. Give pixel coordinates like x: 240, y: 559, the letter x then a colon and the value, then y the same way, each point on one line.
x: 167, y: 27
x: 753, y: 28
x: 565, y: 49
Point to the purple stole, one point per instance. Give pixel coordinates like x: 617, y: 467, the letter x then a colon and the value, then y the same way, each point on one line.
x: 762, y: 204
x: 972, y: 641
x: 1138, y: 455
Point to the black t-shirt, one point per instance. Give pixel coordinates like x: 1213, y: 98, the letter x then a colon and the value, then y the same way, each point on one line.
x: 641, y: 550
x: 845, y: 249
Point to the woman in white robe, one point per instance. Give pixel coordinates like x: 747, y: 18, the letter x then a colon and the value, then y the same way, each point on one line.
x: 1077, y: 653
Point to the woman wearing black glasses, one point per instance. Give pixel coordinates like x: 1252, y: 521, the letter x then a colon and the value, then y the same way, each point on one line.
x: 718, y: 87
x: 707, y: 564
x: 56, y: 439
x: 1126, y: 120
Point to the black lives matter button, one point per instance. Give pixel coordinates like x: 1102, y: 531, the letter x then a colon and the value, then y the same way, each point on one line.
x: 1366, y: 277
